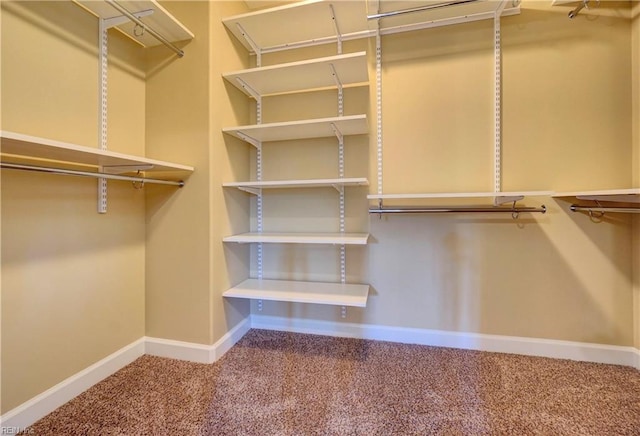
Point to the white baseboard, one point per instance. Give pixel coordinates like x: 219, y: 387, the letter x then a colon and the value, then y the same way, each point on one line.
x: 197, y: 352
x: 36, y: 408
x: 600, y: 353
x: 41, y: 405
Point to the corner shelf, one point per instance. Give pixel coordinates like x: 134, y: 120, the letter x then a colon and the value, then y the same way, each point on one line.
x: 300, y: 238
x: 302, y: 76
x: 16, y: 146
x: 337, y: 294
x: 160, y: 20
x: 304, y: 129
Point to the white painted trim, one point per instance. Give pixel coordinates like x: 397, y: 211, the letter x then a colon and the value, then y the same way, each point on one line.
x: 225, y: 343
x: 601, y: 353
x: 180, y: 350
x: 41, y: 405
x: 193, y: 352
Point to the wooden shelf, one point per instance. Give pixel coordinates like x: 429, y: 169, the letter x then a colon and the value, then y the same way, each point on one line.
x: 337, y: 294
x: 16, y: 145
x: 309, y: 183
x: 308, y: 75
x: 301, y: 238
x: 499, y: 197
x: 631, y: 195
x: 304, y: 129
x: 315, y: 25
x: 160, y: 20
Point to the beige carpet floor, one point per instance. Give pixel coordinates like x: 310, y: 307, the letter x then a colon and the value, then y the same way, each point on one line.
x: 275, y: 383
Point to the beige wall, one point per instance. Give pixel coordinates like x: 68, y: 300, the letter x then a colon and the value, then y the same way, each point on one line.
x: 187, y: 106
x: 72, y: 279
x: 635, y: 55
x: 566, y: 126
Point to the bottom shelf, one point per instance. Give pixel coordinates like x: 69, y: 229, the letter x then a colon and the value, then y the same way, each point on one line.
x: 336, y: 294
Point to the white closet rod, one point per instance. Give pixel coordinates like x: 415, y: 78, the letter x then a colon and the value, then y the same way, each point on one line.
x: 419, y: 9
x: 66, y: 172
x: 152, y: 32
x: 457, y: 209
x: 603, y: 209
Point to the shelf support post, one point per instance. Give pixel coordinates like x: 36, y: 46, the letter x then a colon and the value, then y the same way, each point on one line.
x: 497, y: 53
x: 103, y: 37
x: 335, y: 25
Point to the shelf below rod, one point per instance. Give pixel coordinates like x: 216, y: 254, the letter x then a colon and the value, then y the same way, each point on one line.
x: 603, y: 209
x: 463, y: 209
x: 66, y: 172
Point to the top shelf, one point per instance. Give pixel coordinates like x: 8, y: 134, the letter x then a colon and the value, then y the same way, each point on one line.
x: 498, y: 197
x: 631, y: 195
x: 159, y: 20
x: 16, y: 145
x: 319, y: 21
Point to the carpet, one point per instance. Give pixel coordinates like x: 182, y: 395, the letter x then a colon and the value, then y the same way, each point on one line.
x: 277, y: 383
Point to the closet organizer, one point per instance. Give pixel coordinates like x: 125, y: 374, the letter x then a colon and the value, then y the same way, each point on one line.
x: 147, y: 23
x: 321, y: 22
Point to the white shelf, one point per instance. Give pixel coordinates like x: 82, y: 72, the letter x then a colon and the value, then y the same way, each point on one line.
x: 338, y: 294
x: 308, y: 183
x: 499, y: 197
x: 308, y: 75
x: 16, y: 145
x: 631, y: 195
x: 301, y: 238
x: 160, y: 20
x: 304, y: 129
x: 314, y: 23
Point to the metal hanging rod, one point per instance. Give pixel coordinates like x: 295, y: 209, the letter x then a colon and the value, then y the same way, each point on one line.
x: 603, y: 209
x: 458, y: 209
x: 145, y: 27
x: 419, y: 9
x: 66, y: 172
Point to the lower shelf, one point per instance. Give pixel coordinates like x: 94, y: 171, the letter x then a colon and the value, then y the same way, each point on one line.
x: 336, y: 294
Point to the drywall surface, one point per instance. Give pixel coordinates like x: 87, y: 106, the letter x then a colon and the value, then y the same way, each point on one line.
x: 72, y: 279
x: 635, y: 86
x: 178, y: 227
x: 187, y: 105
x: 566, y: 125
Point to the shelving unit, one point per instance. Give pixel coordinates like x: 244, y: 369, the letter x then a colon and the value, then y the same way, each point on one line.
x: 18, y: 148
x: 321, y: 22
x: 154, y: 16
x: 301, y: 238
x: 258, y: 31
x: 496, y: 197
x: 336, y: 294
x: 403, y: 16
x: 603, y: 201
x: 304, y: 129
x: 252, y: 187
x: 313, y: 74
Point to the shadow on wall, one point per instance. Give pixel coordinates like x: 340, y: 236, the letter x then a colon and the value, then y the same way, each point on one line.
x: 498, y: 276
